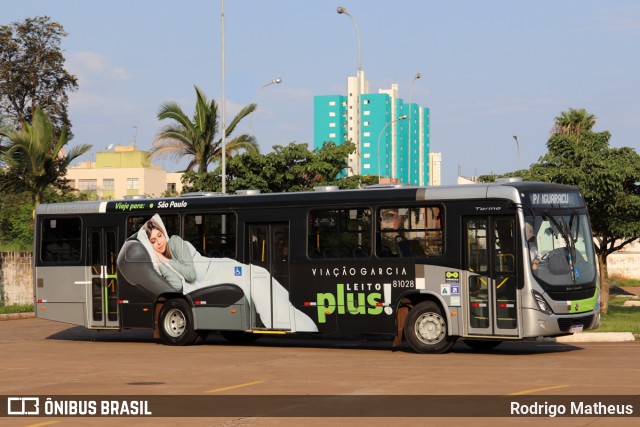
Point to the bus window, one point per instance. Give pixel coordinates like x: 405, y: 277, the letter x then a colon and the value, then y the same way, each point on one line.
x: 171, y: 222
x: 415, y: 232
x: 340, y: 233
x: 61, y: 241
x: 504, y: 246
x: 477, y: 249
x: 213, y: 235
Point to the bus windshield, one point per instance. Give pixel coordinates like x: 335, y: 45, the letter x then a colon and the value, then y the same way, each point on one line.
x: 560, y: 248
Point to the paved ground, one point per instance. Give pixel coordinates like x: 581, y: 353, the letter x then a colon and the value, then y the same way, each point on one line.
x: 47, y: 358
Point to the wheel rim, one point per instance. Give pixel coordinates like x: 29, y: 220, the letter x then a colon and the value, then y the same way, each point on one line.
x: 175, y: 323
x: 430, y: 328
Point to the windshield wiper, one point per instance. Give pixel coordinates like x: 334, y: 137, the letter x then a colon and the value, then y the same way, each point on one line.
x: 568, y: 240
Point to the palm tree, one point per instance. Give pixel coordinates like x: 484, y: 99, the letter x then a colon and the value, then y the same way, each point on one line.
x: 34, y: 159
x: 573, y: 122
x: 185, y: 137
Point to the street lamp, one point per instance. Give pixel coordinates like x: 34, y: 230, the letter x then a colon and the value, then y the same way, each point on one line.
x: 353, y: 102
x: 518, y: 147
x: 342, y: 11
x: 277, y: 80
x: 416, y: 77
x: 223, y: 160
x: 380, y: 136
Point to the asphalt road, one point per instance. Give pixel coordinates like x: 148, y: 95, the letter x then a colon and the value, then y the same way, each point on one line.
x: 41, y: 358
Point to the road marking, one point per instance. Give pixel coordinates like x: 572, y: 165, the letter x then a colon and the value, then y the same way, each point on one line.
x: 537, y: 389
x: 234, y: 386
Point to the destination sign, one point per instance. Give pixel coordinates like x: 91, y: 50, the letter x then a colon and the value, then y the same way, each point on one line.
x: 556, y: 200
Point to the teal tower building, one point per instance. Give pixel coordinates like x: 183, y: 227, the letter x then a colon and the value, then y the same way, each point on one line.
x: 392, y: 137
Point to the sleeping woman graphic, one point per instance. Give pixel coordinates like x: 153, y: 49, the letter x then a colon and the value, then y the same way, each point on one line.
x: 187, y: 271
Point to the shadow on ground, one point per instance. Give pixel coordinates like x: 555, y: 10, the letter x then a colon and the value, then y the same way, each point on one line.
x: 79, y: 333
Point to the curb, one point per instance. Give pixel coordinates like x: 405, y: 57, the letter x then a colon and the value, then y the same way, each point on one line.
x: 596, y: 337
x: 16, y: 316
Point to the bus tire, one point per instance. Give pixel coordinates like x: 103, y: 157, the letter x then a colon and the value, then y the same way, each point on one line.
x: 202, y: 337
x: 239, y: 337
x: 176, y: 323
x: 426, y: 329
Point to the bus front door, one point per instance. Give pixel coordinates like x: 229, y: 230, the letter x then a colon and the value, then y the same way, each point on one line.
x: 269, y: 259
x: 490, y: 257
x: 102, y: 252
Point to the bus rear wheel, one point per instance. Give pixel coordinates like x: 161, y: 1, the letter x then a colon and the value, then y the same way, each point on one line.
x: 176, y: 323
x: 426, y: 329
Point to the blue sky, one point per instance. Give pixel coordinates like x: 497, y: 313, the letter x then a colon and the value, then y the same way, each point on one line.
x: 490, y: 68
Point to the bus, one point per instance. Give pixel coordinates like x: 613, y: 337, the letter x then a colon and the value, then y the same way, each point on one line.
x: 483, y: 263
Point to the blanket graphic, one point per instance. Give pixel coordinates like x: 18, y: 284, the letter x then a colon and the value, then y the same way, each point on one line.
x: 159, y: 263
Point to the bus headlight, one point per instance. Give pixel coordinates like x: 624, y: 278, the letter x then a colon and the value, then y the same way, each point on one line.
x: 542, y: 304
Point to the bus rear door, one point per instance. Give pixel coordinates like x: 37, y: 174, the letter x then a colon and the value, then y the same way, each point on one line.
x: 269, y: 259
x: 490, y: 258
x: 102, y: 253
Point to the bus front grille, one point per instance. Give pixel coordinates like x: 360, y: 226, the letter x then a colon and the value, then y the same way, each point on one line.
x: 566, y: 324
x: 571, y: 295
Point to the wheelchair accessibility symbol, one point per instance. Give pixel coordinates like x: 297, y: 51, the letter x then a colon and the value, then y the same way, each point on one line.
x: 237, y: 271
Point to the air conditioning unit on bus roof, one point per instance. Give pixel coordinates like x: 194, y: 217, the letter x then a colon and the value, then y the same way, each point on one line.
x: 326, y: 188
x: 391, y: 185
x: 203, y: 194
x: 251, y: 192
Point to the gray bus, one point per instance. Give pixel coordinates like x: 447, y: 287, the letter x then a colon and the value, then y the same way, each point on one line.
x: 484, y: 263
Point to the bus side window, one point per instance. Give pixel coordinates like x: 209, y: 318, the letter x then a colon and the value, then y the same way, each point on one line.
x: 213, y: 235
x: 410, y: 232
x: 339, y: 233
x: 61, y: 240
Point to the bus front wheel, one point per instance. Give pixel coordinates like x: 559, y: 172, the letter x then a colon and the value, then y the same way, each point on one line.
x: 426, y: 329
x: 176, y: 323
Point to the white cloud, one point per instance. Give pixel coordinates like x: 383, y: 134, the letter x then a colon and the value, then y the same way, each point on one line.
x: 94, y: 69
x: 83, y: 102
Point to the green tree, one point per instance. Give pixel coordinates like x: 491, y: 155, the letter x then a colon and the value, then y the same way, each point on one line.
x: 573, y: 122
x: 32, y: 73
x: 16, y: 225
x: 16, y: 221
x: 608, y: 178
x: 287, y: 168
x: 34, y: 159
x: 195, y: 138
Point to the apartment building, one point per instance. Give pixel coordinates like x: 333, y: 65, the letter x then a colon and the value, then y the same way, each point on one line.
x: 121, y: 172
x: 392, y: 137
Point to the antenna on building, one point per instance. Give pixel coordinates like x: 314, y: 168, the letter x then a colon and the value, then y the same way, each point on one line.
x: 135, y: 134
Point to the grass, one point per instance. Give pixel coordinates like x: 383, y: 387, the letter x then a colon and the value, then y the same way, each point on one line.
x: 15, y: 308
x: 621, y: 281
x: 619, y: 318
x: 15, y: 247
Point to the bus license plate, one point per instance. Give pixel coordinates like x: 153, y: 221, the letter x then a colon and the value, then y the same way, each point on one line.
x: 576, y: 328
